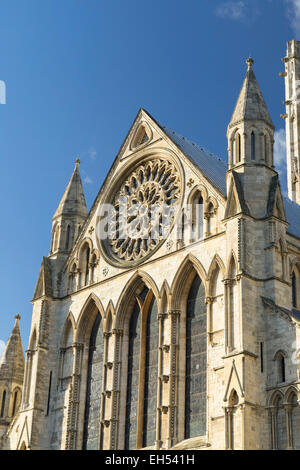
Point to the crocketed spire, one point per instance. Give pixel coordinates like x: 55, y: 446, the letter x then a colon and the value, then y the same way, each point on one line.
x: 73, y: 200
x: 250, y: 105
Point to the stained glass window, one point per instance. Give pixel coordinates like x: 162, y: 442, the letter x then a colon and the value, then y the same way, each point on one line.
x: 150, y: 402
x: 91, y: 436
x: 195, y: 397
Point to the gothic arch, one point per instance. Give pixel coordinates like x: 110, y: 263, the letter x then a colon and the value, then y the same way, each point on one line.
x: 95, y: 252
x: 233, y: 399
x: 199, y: 188
x: 275, y: 397
x: 87, y: 318
x: 289, y: 394
x: 136, y: 317
x: 216, y: 261
x: 110, y: 309
x: 236, y: 153
x: 127, y: 298
x: 165, y: 296
x: 69, y: 322
x: 183, y: 280
x: 71, y: 264
x: 15, y: 401
x: 293, y: 263
x: 212, y: 200
x: 83, y: 242
x: 231, y: 257
x: 108, y: 322
x: 33, y: 340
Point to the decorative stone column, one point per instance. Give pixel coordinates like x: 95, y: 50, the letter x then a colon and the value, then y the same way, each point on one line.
x: 73, y: 405
x: 228, y: 428
x: 28, y: 372
x: 163, y: 349
x: 273, y: 418
x: 228, y: 336
x: 174, y: 317
x: 209, y: 301
x: 106, y: 393
x: 288, y: 413
x: 115, y: 392
x: 238, y: 279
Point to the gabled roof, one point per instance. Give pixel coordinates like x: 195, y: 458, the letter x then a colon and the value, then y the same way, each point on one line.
x: 213, y: 167
x: 250, y: 104
x: 73, y: 200
x: 292, y: 210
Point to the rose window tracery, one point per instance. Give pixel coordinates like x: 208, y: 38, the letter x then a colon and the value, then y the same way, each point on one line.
x: 145, y: 207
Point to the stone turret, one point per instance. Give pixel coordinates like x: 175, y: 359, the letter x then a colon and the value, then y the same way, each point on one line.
x: 250, y: 147
x: 12, y: 365
x: 69, y: 215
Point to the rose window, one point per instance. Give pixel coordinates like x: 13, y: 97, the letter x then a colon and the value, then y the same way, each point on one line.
x: 145, y: 207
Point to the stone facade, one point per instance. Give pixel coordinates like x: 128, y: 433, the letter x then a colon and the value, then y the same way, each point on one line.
x: 184, y: 341
x: 292, y: 102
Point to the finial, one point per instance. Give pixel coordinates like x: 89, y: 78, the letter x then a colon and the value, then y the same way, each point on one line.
x: 77, y: 161
x: 249, y: 62
x: 18, y: 317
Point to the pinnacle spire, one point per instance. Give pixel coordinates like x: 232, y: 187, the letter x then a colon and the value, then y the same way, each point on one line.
x: 250, y: 105
x: 73, y: 200
x: 12, y: 359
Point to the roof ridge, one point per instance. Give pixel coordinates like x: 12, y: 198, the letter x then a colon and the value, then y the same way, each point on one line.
x: 203, y: 149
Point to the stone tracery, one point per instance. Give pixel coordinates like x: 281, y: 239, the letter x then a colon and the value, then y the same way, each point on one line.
x: 150, y: 193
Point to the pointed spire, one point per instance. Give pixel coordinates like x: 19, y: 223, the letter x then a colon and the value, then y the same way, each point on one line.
x: 12, y: 359
x: 73, y: 200
x: 250, y: 104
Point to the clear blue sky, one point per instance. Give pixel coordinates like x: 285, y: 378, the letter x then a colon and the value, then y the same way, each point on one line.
x: 77, y: 72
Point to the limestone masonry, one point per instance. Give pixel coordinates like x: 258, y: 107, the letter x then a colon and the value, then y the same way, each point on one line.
x: 185, y: 339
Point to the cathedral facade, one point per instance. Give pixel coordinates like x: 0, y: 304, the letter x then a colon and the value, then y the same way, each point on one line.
x: 168, y: 316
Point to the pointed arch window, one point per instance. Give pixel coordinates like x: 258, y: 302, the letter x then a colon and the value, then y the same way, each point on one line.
x: 197, y: 217
x: 294, y: 290
x: 281, y: 430
x: 238, y: 148
x: 141, y: 402
x: 281, y: 366
x: 195, y: 378
x: 211, y: 222
x: 16, y: 401
x: 92, y: 418
x: 68, y: 237
x: 85, y: 265
x: 3, y: 404
x: 56, y: 238
x: 232, y: 295
x: 266, y: 148
x: 253, y: 143
x: 142, y: 136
